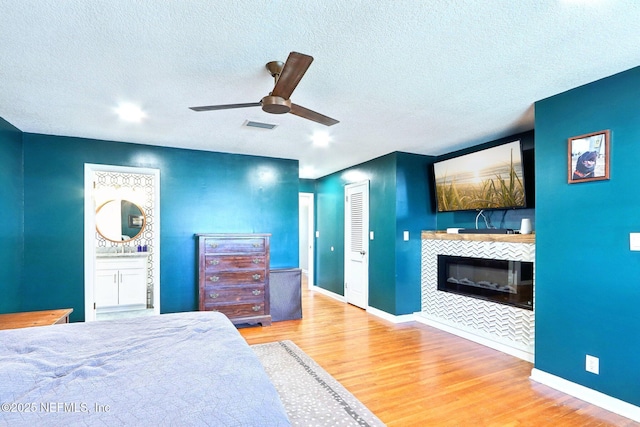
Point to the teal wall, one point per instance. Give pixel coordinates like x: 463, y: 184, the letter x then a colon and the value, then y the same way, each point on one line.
x: 329, y: 267
x: 413, y: 214
x: 200, y: 192
x: 399, y: 197
x: 11, y: 217
x: 587, y: 279
x: 307, y: 186
x: 500, y: 218
x: 381, y: 173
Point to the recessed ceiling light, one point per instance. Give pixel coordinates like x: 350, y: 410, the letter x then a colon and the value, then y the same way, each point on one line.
x: 130, y: 112
x: 321, y: 139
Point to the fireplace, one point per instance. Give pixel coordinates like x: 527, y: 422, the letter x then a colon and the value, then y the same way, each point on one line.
x: 501, y: 281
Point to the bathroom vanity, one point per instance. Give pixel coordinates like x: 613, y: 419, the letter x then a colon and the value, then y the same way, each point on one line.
x: 121, y: 281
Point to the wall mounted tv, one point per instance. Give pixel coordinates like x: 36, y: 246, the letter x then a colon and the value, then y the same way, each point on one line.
x: 492, y: 178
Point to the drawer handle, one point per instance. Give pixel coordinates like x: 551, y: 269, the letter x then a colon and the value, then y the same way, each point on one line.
x: 256, y: 260
x: 256, y: 277
x: 256, y: 245
x: 213, y: 295
x: 214, y: 278
x: 256, y: 308
x: 256, y: 292
x: 214, y: 262
x: 213, y: 245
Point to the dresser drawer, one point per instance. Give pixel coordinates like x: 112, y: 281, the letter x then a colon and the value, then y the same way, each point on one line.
x: 238, y: 310
x: 235, y: 262
x: 231, y: 246
x: 235, y: 294
x: 234, y: 277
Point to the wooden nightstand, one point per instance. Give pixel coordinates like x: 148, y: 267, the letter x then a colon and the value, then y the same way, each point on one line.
x: 34, y: 318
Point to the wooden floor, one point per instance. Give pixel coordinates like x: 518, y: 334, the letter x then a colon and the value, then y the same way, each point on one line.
x: 411, y: 374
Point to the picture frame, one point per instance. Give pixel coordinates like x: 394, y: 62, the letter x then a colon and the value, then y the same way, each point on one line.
x: 588, y: 157
x: 136, y: 221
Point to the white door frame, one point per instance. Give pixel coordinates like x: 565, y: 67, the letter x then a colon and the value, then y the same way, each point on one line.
x: 90, y: 230
x: 363, y: 254
x: 308, y: 199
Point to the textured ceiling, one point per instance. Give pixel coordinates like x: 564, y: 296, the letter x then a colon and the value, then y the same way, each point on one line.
x: 425, y: 77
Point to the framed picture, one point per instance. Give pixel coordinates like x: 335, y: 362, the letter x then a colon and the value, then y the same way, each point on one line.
x: 589, y: 157
x: 136, y: 221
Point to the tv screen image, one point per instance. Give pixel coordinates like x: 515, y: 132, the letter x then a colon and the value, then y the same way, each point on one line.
x: 492, y: 178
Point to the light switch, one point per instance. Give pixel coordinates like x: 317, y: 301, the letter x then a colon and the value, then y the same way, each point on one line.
x: 406, y: 236
x: 317, y: 233
x: 634, y: 241
x: 371, y: 235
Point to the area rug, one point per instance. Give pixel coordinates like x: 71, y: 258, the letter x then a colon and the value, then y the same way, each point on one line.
x: 310, y: 395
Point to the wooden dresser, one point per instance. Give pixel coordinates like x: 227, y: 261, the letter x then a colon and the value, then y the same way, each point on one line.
x: 234, y: 276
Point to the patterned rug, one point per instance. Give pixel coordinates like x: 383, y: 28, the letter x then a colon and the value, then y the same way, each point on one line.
x: 310, y: 395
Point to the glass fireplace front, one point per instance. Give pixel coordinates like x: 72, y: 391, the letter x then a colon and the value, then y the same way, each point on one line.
x: 501, y: 281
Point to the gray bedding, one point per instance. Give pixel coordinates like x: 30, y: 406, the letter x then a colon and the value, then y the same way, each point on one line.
x: 173, y: 369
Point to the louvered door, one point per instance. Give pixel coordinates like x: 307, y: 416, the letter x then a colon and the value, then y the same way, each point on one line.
x: 356, y: 269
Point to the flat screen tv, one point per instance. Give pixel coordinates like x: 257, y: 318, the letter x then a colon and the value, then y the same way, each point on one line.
x: 491, y: 178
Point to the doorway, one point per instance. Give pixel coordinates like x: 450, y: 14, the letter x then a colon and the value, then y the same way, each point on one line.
x: 132, y: 255
x: 306, y: 239
x: 356, y: 244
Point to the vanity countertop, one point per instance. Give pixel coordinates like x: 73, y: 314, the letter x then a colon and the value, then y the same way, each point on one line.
x: 122, y: 255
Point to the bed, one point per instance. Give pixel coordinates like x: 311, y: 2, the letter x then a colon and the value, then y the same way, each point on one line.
x: 172, y: 369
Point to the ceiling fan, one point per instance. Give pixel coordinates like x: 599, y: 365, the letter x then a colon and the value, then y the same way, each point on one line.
x: 286, y: 76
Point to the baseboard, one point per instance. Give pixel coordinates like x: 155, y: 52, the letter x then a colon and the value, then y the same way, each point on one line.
x: 471, y: 336
x: 591, y: 396
x: 371, y: 310
x: 403, y: 318
x: 333, y: 295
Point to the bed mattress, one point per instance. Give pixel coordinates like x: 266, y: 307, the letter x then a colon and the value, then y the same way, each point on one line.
x: 172, y: 369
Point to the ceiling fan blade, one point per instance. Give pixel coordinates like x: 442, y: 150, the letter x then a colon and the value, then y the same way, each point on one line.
x: 305, y: 113
x: 293, y: 70
x: 225, y: 107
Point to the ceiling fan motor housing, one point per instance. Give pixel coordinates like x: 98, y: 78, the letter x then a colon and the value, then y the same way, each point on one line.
x: 275, y: 104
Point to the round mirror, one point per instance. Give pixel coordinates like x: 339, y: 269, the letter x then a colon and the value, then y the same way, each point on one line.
x: 120, y: 220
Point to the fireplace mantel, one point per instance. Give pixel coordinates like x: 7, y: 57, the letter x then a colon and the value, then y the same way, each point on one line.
x: 513, y: 238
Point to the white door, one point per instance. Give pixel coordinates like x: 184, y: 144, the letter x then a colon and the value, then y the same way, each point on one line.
x: 356, y: 230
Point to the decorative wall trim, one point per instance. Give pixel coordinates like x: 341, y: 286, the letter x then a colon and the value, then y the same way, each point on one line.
x: 492, y: 324
x: 589, y: 395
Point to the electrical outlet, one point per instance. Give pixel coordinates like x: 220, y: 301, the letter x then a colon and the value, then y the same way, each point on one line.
x: 592, y: 364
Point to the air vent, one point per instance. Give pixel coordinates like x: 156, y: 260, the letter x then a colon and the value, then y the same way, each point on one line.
x: 259, y: 125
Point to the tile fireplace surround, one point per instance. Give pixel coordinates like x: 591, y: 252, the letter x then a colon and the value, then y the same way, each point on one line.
x: 505, y: 328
